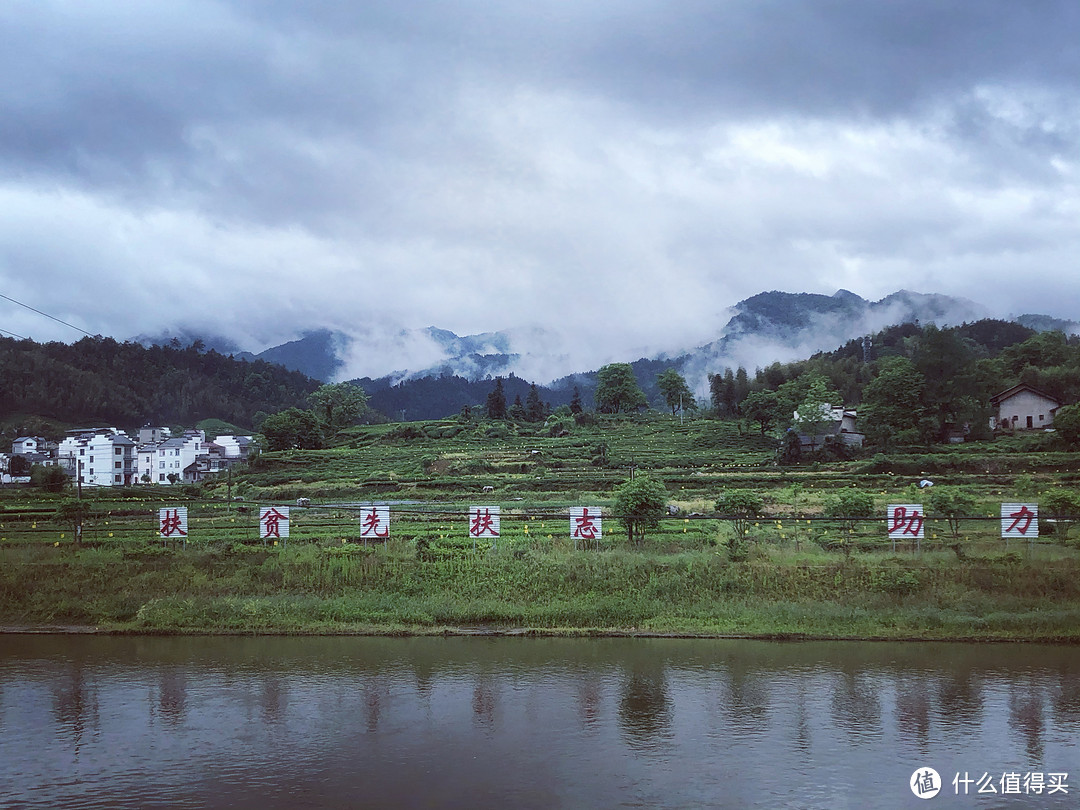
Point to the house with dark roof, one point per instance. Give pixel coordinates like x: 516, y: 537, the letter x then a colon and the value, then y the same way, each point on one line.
x: 1023, y: 407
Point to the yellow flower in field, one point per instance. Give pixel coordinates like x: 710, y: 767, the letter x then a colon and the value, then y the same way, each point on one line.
x: 33, y: 525
x: 110, y: 534
x: 57, y: 543
x: 275, y: 542
x: 61, y: 537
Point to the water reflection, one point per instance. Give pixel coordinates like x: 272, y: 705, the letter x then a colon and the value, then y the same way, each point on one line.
x: 745, y: 702
x: 644, y: 706
x: 75, y: 704
x: 1026, y: 718
x: 172, y: 696
x: 528, y: 723
x: 961, y: 693
x: 913, y: 711
x: 484, y: 701
x: 1066, y: 699
x: 589, y: 695
x: 273, y: 698
x: 856, y: 705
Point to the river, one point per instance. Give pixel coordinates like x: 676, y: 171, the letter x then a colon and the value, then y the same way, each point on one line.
x: 494, y: 722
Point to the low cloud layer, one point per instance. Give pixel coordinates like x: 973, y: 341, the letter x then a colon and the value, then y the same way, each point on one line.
x: 614, y: 175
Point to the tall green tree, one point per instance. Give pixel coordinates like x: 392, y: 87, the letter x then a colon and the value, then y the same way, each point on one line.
x: 741, y: 389
x: 947, y: 362
x: 762, y: 407
x: 496, y: 401
x: 338, y: 405
x: 617, y: 389
x: 534, y: 406
x: 675, y: 390
x: 892, y: 413
x: 293, y: 429
x: 575, y: 402
x: 1067, y: 425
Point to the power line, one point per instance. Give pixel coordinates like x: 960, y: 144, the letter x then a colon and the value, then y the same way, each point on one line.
x: 6, y: 332
x: 46, y: 314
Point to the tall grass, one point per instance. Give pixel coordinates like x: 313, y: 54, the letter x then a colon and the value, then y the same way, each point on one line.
x: 326, y: 589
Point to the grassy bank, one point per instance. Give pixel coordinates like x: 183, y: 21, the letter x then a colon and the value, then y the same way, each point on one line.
x: 324, y: 589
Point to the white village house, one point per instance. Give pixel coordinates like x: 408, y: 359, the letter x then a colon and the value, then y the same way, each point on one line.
x: 1023, y: 407
x: 101, y: 457
x: 107, y: 457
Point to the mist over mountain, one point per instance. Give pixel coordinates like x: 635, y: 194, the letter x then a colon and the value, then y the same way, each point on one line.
x: 760, y: 330
x: 430, y: 372
x: 781, y: 327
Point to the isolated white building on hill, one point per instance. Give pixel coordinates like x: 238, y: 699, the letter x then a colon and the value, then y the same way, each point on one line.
x: 1023, y: 408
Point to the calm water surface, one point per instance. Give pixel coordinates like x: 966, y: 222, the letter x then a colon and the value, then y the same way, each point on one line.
x: 527, y: 723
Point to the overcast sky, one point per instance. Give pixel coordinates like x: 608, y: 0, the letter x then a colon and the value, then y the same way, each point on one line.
x: 617, y: 172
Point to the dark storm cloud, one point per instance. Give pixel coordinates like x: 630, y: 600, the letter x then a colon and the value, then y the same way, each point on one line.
x: 442, y: 163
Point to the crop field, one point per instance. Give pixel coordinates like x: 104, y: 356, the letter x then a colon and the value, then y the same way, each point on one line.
x: 431, y: 472
x: 794, y: 569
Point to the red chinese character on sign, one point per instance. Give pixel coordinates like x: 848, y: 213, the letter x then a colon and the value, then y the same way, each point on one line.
x: 1025, y: 515
x: 371, y: 525
x: 272, y: 523
x: 900, y: 517
x: 482, y: 523
x: 172, y: 524
x: 585, y: 526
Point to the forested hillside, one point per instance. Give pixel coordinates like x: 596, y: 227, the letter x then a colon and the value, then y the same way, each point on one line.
x: 911, y: 384
x: 126, y: 384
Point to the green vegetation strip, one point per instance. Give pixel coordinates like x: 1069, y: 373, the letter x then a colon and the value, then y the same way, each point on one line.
x: 350, y: 589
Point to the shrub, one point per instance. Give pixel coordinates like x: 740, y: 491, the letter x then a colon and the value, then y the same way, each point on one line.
x: 639, y: 504
x: 849, y: 504
x: 740, y: 506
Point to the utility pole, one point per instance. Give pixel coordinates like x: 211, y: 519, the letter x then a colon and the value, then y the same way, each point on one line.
x: 78, y: 518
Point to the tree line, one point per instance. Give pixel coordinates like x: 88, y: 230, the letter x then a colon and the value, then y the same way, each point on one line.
x: 100, y: 380
x: 911, y: 384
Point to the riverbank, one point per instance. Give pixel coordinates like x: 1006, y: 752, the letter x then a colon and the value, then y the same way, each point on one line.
x: 314, y: 589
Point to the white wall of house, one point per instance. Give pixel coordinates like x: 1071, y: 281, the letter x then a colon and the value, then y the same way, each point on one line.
x: 1026, y: 410
x: 26, y: 444
x: 234, y: 446
x: 103, y: 458
x: 175, y: 455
